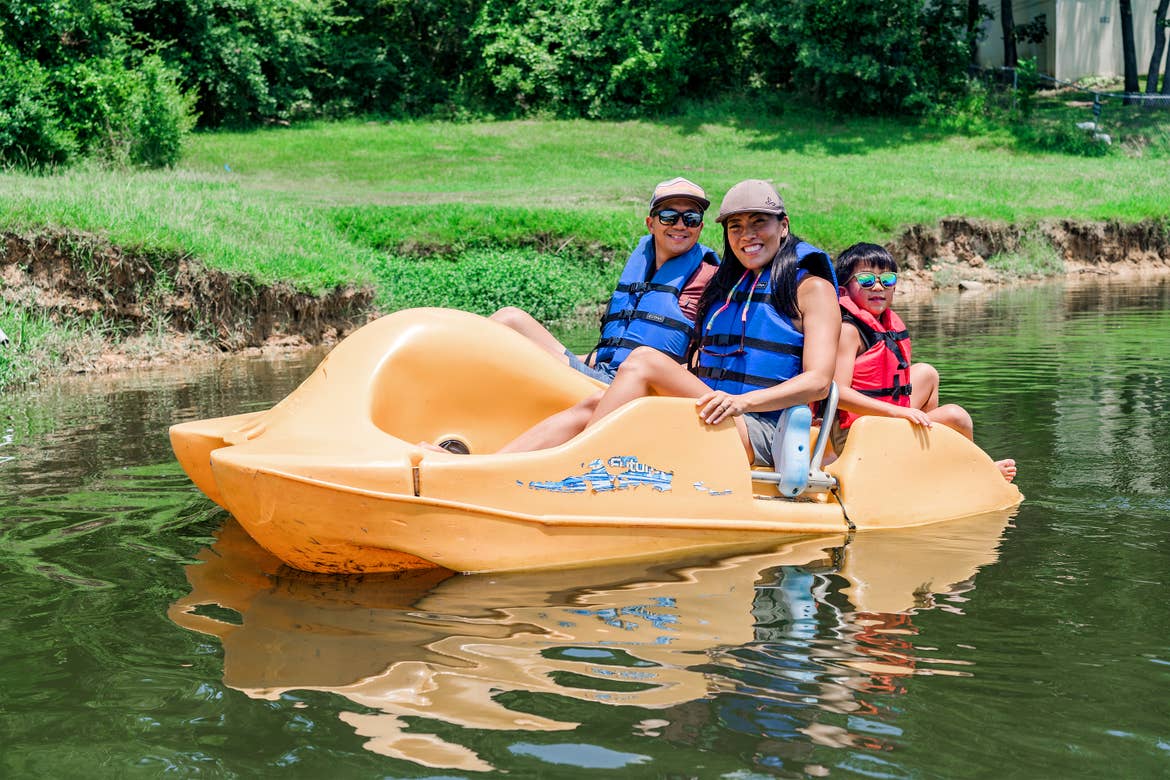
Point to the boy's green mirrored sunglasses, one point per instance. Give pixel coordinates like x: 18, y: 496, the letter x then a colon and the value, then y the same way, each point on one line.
x: 867, y: 279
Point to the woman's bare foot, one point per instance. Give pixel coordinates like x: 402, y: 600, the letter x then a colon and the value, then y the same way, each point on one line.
x: 1007, y: 468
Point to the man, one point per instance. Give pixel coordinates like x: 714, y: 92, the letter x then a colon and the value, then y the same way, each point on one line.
x: 657, y: 295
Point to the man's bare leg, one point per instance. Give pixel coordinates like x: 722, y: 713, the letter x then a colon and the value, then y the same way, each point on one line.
x: 527, y: 326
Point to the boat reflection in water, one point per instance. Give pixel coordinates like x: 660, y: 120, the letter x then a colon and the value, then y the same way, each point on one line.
x: 819, y: 625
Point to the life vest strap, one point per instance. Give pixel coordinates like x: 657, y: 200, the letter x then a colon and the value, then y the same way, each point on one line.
x: 896, y: 393
x: 756, y: 296
x: 718, y: 374
x: 634, y: 314
x: 891, y: 339
x: 638, y: 288
x: 731, y: 340
x: 630, y: 344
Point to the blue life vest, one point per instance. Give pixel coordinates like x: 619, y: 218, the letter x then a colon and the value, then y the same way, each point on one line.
x: 644, y: 310
x: 738, y: 355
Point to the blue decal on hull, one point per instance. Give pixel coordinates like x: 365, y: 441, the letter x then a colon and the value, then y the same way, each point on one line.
x: 699, y: 486
x: 621, y: 472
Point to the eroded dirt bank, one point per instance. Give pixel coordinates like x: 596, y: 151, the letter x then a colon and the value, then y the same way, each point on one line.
x: 70, y: 274
x: 958, y: 252
x: 184, y: 308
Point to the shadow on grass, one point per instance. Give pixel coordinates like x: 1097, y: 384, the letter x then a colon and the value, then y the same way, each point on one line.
x: 786, y: 123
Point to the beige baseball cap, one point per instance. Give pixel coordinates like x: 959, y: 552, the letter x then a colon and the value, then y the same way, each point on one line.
x: 679, y: 188
x: 751, y: 195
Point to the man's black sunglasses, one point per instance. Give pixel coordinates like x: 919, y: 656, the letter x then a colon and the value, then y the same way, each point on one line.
x: 691, y: 219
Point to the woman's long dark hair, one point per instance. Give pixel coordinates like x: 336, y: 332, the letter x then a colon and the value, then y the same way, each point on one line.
x: 784, y: 268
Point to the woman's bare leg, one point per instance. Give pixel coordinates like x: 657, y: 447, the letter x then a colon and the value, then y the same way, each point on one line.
x: 645, y: 372
x: 556, y: 429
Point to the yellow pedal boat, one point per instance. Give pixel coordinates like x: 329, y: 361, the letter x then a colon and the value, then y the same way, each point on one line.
x: 332, y: 479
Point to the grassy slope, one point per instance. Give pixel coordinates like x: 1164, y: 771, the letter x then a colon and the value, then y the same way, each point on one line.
x: 531, y: 213
x: 316, y: 203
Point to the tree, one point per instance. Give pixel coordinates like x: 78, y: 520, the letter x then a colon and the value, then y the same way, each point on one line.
x: 1166, y: 77
x: 1128, y: 51
x: 1159, y: 46
x: 976, y: 13
x: 1008, y: 23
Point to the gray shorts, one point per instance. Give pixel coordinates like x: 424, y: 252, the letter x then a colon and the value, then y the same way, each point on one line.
x: 837, y: 436
x: 761, y: 434
x: 602, y: 372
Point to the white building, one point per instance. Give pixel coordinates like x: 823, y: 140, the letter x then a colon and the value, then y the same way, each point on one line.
x: 1084, y: 37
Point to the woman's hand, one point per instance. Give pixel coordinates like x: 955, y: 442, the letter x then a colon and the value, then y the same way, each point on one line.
x: 718, y: 406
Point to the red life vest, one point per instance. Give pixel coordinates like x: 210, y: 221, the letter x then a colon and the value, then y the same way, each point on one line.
x: 882, y: 371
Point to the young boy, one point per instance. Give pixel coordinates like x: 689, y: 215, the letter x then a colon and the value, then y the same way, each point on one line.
x: 874, y: 374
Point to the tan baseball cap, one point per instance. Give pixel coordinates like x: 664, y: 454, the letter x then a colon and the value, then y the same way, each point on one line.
x: 751, y: 195
x: 679, y: 188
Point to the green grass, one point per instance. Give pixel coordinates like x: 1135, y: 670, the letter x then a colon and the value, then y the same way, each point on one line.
x: 209, y: 217
x: 315, y: 203
x: 396, y: 204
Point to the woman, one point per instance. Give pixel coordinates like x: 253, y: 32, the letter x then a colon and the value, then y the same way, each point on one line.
x: 765, y: 335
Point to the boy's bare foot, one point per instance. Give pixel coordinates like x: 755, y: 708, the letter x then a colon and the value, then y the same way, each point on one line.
x: 1007, y: 468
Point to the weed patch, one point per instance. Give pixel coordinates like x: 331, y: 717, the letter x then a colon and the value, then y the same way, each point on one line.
x: 428, y: 229
x: 38, y: 342
x: 548, y: 286
x: 1033, y: 257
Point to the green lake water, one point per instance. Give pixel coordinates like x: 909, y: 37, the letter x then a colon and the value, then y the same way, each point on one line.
x: 145, y: 635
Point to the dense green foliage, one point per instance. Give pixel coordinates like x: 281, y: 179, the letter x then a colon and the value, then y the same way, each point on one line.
x: 124, y: 79
x: 72, y: 83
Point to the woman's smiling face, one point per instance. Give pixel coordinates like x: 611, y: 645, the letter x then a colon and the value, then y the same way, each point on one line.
x: 755, y: 237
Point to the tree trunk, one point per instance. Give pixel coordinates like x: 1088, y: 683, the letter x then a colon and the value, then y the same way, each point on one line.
x: 974, y: 17
x: 1166, y: 78
x: 1008, y: 24
x: 1159, y: 46
x: 1128, y: 52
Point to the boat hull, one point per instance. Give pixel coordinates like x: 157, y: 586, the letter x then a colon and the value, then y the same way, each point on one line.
x: 332, y: 478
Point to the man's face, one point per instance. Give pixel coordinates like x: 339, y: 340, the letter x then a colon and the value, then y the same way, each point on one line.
x: 670, y: 241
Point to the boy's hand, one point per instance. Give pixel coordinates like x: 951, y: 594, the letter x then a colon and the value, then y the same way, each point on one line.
x: 915, y: 416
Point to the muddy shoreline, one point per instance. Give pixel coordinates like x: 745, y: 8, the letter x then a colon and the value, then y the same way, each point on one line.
x: 170, y: 308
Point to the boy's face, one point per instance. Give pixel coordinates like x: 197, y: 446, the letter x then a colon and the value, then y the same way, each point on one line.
x: 875, y: 299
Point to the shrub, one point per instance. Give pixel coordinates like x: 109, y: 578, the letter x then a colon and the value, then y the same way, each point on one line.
x: 31, y: 134
x: 594, y: 58
x: 1059, y: 135
x: 247, y: 60
x: 857, y: 56
x: 161, y: 114
x: 122, y: 113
